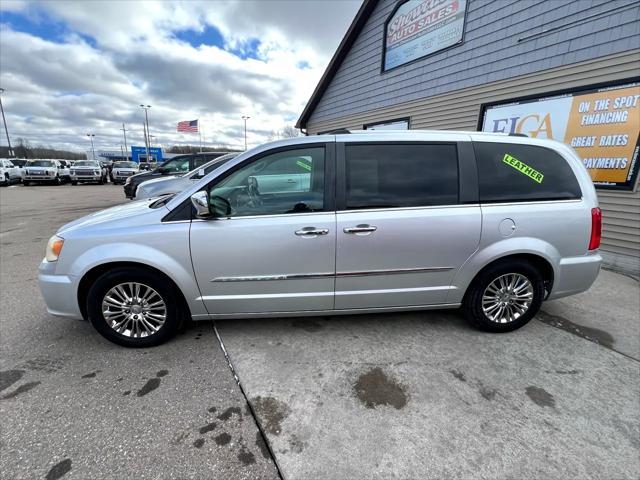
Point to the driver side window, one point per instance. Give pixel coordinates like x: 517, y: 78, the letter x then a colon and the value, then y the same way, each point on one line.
x: 291, y: 181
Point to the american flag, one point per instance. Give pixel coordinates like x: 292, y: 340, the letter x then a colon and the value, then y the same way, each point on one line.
x: 188, y: 126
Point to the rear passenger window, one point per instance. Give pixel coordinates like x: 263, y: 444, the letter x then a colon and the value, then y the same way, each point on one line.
x: 519, y: 173
x: 388, y: 176
x: 200, y: 160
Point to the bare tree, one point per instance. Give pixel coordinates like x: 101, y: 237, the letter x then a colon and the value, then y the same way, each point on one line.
x: 285, y: 132
x: 24, y: 149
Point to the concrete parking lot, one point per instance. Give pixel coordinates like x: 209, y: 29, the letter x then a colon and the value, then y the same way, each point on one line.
x: 416, y: 395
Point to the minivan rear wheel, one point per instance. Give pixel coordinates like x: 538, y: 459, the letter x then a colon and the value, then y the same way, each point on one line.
x: 504, y: 297
x: 133, y: 308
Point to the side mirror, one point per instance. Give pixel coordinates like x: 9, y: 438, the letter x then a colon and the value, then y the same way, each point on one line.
x: 162, y: 170
x: 200, y: 201
x: 219, y: 206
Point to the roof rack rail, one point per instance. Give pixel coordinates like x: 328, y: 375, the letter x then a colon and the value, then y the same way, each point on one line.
x: 337, y: 131
x: 519, y: 135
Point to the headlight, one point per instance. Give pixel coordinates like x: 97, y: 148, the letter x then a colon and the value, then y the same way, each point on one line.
x: 52, y: 173
x: 54, y: 247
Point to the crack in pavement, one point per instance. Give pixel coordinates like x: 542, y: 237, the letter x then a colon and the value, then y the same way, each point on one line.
x: 261, y: 432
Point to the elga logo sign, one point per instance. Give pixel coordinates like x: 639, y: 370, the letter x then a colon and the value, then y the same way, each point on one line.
x: 542, y: 119
x: 419, y: 28
x: 532, y: 125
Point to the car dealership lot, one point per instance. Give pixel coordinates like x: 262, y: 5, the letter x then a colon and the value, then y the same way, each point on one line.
x: 417, y: 395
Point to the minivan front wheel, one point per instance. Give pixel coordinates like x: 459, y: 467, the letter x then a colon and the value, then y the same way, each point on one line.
x: 504, y: 297
x: 133, y: 308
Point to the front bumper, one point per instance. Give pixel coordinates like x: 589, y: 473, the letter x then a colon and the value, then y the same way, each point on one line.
x: 85, y: 177
x: 121, y: 177
x: 58, y: 291
x: 576, y: 275
x: 39, y: 178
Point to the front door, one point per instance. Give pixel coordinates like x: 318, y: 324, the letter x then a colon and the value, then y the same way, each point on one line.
x: 275, y: 251
x: 401, y: 233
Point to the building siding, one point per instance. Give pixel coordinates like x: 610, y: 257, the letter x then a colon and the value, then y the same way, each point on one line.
x: 498, y: 45
x: 459, y: 110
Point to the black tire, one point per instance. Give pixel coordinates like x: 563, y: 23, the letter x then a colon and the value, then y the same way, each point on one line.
x: 6, y: 182
x: 57, y: 180
x: 26, y: 184
x: 131, y: 274
x: 472, y: 303
x: 73, y: 182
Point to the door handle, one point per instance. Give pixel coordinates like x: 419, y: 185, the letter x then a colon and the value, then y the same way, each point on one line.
x: 358, y: 229
x: 311, y: 231
x: 291, y: 180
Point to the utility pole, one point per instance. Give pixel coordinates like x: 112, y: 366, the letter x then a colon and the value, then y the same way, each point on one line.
x: 93, y: 151
x: 122, y: 153
x: 4, y: 120
x: 245, y: 118
x: 124, y: 132
x: 146, y: 116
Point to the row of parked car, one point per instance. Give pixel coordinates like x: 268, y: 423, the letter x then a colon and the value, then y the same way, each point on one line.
x: 56, y: 172
x: 174, y: 175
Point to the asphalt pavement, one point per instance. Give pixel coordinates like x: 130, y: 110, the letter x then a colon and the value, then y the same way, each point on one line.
x: 412, y: 395
x: 74, y: 405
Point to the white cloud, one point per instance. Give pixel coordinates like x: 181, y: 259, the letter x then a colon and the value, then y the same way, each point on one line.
x: 116, y: 55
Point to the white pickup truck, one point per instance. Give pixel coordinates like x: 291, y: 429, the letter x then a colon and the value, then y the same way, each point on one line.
x: 41, y: 171
x: 9, y: 172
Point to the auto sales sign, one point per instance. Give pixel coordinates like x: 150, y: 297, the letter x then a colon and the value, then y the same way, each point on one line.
x: 603, y: 125
x: 418, y: 28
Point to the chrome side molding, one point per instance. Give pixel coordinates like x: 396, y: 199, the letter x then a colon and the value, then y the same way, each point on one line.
x: 300, y: 276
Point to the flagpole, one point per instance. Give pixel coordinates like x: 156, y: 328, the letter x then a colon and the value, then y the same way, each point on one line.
x: 200, y: 132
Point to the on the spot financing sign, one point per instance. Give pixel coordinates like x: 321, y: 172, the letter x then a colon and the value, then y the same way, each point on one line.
x: 603, y: 125
x: 422, y: 27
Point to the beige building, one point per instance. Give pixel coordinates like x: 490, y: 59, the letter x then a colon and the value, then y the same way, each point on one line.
x: 553, y: 69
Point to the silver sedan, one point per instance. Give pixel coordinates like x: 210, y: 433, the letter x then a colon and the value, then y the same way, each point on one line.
x: 157, y: 187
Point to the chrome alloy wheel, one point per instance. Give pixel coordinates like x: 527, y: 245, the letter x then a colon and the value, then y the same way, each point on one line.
x: 507, y: 298
x: 134, y: 310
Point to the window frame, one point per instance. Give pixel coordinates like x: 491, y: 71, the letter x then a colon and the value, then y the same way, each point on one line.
x: 329, y: 177
x: 467, y: 174
x: 368, y: 126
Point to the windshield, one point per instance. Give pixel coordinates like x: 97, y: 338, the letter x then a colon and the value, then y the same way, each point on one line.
x: 125, y: 165
x: 176, y: 165
x: 40, y: 163
x: 85, y: 163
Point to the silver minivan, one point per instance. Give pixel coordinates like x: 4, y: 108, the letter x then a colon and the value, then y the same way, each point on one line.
x: 349, y: 223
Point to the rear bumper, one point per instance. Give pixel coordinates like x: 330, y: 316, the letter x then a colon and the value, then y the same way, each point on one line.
x: 58, y: 291
x: 576, y: 275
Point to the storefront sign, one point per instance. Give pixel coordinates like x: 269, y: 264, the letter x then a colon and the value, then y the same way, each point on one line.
x: 603, y: 125
x: 418, y: 28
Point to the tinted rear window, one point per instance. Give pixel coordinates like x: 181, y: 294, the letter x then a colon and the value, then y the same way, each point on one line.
x: 510, y: 172
x: 401, y: 175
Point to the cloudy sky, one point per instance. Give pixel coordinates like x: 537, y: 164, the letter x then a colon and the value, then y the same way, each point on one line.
x: 72, y: 67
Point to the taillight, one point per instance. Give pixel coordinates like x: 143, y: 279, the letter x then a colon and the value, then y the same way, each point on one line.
x: 596, y: 228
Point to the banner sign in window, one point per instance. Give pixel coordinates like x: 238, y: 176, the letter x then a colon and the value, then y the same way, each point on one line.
x: 603, y: 125
x: 418, y: 28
